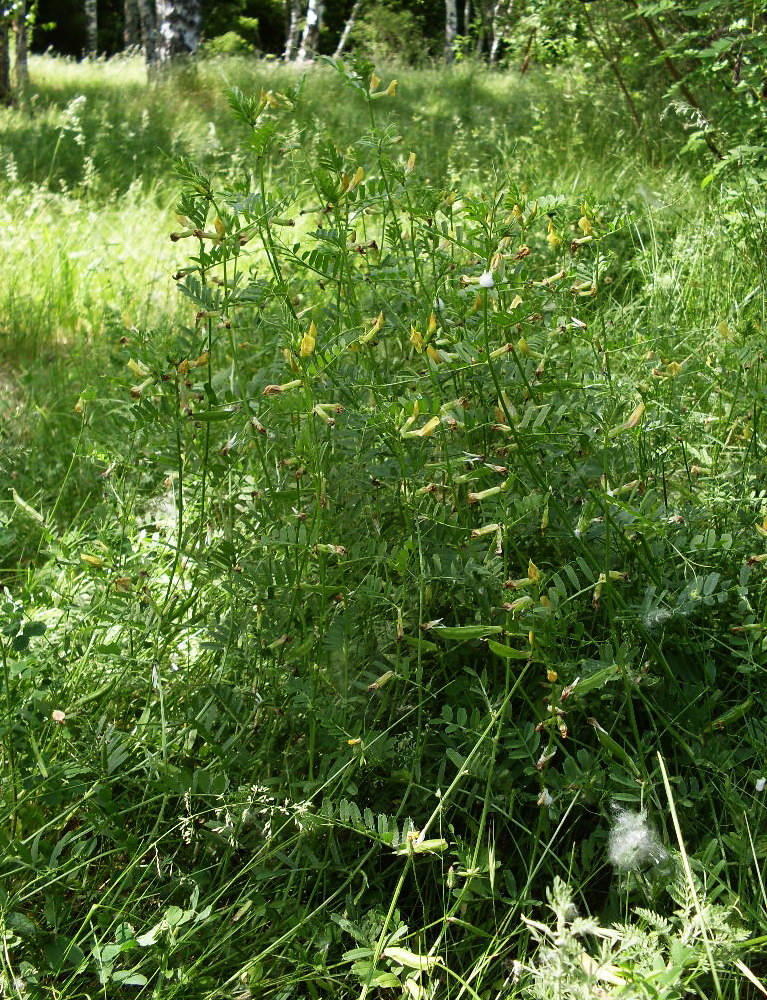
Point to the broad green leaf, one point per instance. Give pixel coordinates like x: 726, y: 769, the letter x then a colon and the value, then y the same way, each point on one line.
x: 357, y: 953
x: 128, y: 978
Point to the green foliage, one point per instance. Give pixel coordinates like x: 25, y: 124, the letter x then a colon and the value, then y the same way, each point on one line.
x: 387, y: 34
x: 651, y: 956
x: 351, y: 587
x: 232, y: 43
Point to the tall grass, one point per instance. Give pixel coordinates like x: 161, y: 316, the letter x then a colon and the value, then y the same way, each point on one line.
x: 353, y: 590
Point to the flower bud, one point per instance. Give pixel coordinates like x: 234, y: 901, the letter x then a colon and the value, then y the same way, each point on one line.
x: 416, y: 340
x: 308, y: 341
x: 139, y: 369
x: 357, y: 179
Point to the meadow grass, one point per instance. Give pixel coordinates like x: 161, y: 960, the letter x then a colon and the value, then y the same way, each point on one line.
x: 385, y: 604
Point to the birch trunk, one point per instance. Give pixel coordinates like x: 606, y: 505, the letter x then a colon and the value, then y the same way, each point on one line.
x: 347, y: 29
x: 178, y: 29
x: 131, y: 28
x: 451, y: 29
x: 91, y: 28
x: 147, y: 25
x: 498, y: 10
x: 291, y: 42
x: 21, y: 71
x: 308, y: 48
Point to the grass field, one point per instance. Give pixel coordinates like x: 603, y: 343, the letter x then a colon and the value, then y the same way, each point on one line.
x: 384, y: 553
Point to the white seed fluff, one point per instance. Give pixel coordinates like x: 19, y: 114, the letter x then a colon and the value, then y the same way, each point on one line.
x: 633, y: 842
x: 761, y: 784
x: 486, y: 279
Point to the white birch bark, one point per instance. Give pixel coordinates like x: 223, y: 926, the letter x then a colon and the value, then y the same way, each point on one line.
x: 147, y: 24
x: 91, y: 28
x: 498, y: 9
x: 347, y: 29
x: 21, y: 70
x: 178, y: 29
x: 308, y: 47
x: 451, y: 29
x: 291, y: 42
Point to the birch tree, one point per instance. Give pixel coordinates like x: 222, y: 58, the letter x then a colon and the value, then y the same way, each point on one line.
x: 147, y: 28
x: 451, y: 29
x: 291, y: 41
x: 350, y: 22
x: 21, y: 69
x: 499, y: 8
x: 178, y: 29
x: 310, y: 36
x: 91, y: 27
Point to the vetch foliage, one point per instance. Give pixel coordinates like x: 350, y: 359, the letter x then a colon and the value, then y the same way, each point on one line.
x: 369, y: 582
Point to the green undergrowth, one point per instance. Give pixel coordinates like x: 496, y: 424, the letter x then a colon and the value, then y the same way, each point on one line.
x: 374, y: 588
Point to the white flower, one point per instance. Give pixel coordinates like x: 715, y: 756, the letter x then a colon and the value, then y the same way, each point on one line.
x: 761, y: 784
x: 486, y: 279
x: 633, y: 842
x: 545, y: 799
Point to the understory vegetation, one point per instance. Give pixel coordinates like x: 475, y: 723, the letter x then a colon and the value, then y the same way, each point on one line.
x: 383, y: 538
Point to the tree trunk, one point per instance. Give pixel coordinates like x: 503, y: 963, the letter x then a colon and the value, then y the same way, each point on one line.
x: 467, y: 17
x: 480, y: 14
x: 451, y: 29
x: 498, y: 10
x: 291, y: 42
x: 21, y: 40
x: 527, y: 55
x: 147, y: 25
x: 91, y: 27
x: 178, y: 29
x: 5, y: 63
x: 308, y: 48
x: 347, y: 29
x: 131, y: 27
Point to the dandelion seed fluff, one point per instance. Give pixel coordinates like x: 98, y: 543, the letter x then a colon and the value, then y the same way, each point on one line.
x: 634, y: 844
